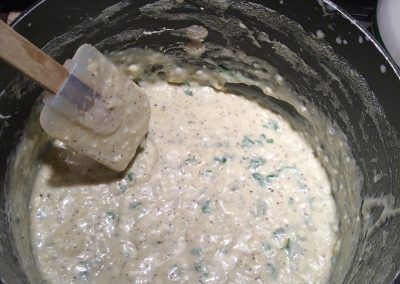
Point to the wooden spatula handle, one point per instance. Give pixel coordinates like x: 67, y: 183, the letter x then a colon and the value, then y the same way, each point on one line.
x: 30, y: 60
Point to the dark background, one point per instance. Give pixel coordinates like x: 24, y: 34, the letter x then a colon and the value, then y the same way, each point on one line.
x: 362, y: 10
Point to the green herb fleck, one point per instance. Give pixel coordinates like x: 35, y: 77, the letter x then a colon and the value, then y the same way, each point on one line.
x: 130, y: 176
x: 271, y: 124
x: 111, y: 215
x: 256, y: 163
x: 278, y: 233
x: 207, y: 172
x: 247, y: 142
x: 135, y: 204
x: 223, y: 159
x: 333, y: 260
x: 264, y: 137
x: 271, y: 270
x: 287, y: 168
x: 199, y: 267
x: 267, y: 247
x: 189, y: 93
x: 206, y: 207
x: 191, y: 161
x: 196, y: 251
x: 288, y: 248
x: 174, y: 272
x: 288, y: 245
x: 264, y: 180
x: 122, y: 186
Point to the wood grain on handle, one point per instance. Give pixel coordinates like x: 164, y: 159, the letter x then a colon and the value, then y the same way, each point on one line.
x: 30, y: 60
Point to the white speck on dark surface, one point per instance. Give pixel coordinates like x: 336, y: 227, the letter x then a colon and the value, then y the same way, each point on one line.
x: 320, y: 34
x: 4, y: 116
x: 243, y: 26
x: 377, y: 176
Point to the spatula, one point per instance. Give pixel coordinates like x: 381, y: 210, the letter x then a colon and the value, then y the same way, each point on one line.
x: 90, y: 104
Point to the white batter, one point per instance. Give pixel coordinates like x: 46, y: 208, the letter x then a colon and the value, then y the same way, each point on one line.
x: 223, y: 192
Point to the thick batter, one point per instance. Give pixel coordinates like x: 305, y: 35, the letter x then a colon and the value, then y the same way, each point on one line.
x: 224, y: 191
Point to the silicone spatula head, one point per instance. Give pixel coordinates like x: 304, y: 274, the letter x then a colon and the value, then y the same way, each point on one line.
x: 98, y: 111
